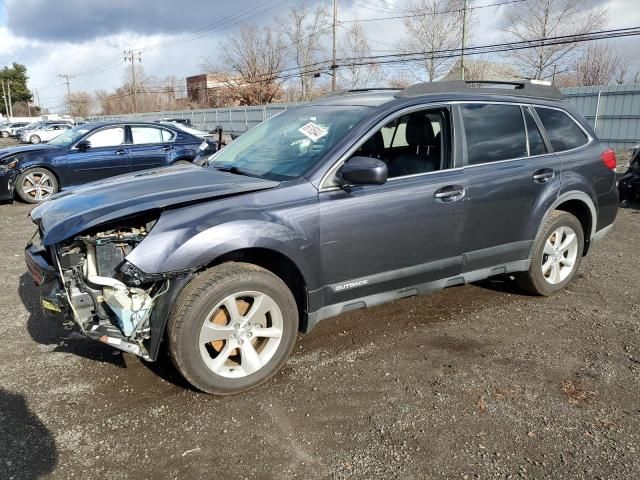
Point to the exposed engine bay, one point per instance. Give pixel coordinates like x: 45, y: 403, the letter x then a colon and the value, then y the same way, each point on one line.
x: 109, y: 305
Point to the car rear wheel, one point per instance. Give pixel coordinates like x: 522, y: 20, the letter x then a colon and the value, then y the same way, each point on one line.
x: 34, y: 139
x: 556, y: 257
x: 232, y: 328
x: 36, y: 184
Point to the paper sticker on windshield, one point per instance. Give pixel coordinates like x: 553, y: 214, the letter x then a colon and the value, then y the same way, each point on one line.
x: 204, y: 145
x: 313, y: 131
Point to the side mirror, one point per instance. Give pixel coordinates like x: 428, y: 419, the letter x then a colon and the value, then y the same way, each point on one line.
x: 83, y: 145
x: 364, y: 171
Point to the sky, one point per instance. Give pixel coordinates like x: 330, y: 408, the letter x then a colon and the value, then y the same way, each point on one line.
x: 86, y: 38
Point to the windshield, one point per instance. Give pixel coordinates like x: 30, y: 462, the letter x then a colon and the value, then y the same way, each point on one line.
x: 70, y: 136
x: 33, y: 126
x: 287, y: 145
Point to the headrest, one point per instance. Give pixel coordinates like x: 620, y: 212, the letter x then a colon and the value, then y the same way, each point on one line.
x: 419, y: 130
x: 374, y: 146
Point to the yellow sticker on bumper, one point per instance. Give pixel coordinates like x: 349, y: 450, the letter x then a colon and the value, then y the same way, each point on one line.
x: 50, y: 306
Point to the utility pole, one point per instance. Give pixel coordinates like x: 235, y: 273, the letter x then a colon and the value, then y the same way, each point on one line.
x: 130, y: 56
x: 4, y: 96
x: 464, y: 38
x: 38, y: 100
x: 334, y: 67
x: 9, y: 92
x: 67, y: 77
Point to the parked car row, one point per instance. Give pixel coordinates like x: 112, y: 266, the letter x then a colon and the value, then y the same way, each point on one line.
x: 9, y: 129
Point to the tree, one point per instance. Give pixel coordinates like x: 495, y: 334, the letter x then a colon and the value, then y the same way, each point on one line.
x: 542, y: 19
x: 80, y: 103
x: 304, y: 32
x: 598, y: 65
x: 16, y: 74
x: 434, y: 25
x: 255, y: 57
x: 356, y: 47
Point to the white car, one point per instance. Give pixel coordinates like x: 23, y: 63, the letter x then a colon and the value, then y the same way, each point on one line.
x: 44, y: 133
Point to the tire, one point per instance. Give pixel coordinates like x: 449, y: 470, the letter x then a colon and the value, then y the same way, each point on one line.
x: 5, y: 134
x: 183, y: 162
x: 34, y: 139
x: 36, y: 185
x: 554, y: 266
x: 226, y: 363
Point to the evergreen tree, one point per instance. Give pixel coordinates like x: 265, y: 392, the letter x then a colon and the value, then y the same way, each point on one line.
x: 17, y: 75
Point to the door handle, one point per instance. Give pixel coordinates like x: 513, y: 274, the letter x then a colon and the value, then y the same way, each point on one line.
x: 543, y: 176
x: 166, y: 148
x: 450, y: 193
x: 121, y: 152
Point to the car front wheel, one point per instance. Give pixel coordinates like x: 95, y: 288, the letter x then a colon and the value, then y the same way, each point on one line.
x: 557, y: 252
x: 36, y: 184
x: 35, y: 139
x: 232, y: 328
x: 4, y: 134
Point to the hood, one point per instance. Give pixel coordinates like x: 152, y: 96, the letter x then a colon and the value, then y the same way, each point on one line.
x: 10, y: 152
x: 72, y: 211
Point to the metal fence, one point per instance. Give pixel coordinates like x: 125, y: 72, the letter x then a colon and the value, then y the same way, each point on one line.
x: 614, y: 111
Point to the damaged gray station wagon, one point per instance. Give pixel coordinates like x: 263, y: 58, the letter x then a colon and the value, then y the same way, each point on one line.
x: 353, y: 200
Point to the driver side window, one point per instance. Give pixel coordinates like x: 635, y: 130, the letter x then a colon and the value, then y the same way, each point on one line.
x: 415, y: 143
x: 109, y: 137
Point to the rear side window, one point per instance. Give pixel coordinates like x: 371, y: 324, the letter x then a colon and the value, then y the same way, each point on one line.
x: 494, y: 132
x: 563, y: 132
x: 536, y: 143
x: 144, y: 135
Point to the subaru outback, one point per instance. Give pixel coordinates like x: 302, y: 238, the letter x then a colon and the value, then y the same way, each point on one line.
x: 353, y: 200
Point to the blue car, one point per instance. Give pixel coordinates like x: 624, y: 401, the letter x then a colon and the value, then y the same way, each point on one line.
x: 91, y: 152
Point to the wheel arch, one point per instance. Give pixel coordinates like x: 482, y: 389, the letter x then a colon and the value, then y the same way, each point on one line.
x: 277, y: 263
x: 580, y: 205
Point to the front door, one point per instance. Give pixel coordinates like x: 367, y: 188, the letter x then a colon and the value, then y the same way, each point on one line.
x: 106, y: 156
x: 404, y: 233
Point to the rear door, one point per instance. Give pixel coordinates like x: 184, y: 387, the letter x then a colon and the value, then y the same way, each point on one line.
x: 151, y: 146
x: 108, y: 155
x: 511, y: 173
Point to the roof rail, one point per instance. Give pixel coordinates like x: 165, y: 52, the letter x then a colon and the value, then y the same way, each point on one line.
x: 525, y: 88
x: 360, y: 90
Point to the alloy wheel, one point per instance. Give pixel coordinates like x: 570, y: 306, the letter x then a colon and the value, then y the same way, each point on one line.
x: 241, y: 334
x: 39, y: 186
x: 559, y: 255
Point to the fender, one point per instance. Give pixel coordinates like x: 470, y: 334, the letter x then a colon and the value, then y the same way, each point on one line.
x: 177, y: 250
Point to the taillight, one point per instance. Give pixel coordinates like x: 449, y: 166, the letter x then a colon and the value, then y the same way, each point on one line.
x: 608, y: 157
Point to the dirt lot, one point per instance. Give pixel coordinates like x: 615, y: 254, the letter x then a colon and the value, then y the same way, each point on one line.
x: 479, y: 381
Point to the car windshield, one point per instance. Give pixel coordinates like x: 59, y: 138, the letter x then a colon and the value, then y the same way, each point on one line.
x: 70, y: 136
x: 290, y: 143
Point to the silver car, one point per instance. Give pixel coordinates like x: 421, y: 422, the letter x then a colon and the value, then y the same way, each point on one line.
x: 44, y: 133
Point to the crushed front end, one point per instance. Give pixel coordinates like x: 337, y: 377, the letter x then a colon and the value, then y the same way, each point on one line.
x: 87, y: 280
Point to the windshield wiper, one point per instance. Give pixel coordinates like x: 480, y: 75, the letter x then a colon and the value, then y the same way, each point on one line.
x: 231, y: 169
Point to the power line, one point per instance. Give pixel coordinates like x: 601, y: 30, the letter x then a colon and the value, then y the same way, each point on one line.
x: 425, y: 13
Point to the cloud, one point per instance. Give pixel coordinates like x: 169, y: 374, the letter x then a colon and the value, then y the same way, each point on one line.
x: 81, y: 20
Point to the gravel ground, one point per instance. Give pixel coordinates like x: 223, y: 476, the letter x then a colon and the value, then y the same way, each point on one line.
x: 479, y: 381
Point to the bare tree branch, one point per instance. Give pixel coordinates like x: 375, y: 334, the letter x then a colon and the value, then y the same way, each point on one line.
x: 540, y: 19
